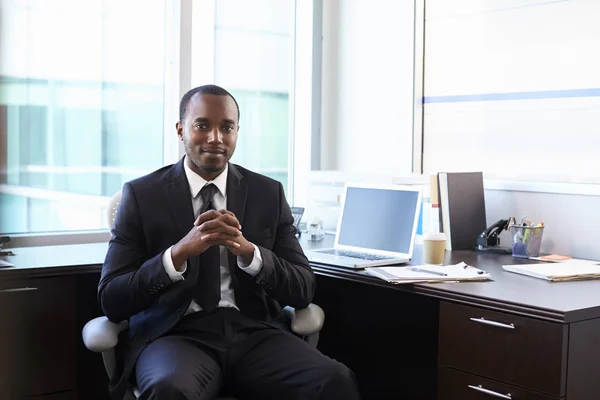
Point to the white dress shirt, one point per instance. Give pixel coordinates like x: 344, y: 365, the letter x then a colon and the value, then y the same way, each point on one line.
x: 196, y: 183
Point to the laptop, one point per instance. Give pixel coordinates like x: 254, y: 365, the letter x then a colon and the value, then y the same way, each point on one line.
x: 377, y: 226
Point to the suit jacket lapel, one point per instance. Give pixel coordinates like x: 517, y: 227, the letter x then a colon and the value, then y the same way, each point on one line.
x: 180, y: 203
x: 180, y: 198
x: 236, y: 203
x: 236, y: 193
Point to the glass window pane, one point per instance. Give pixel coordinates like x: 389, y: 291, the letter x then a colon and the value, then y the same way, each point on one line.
x: 81, y: 108
x: 253, y: 50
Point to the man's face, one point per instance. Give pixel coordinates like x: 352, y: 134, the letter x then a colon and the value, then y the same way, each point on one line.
x: 209, y: 133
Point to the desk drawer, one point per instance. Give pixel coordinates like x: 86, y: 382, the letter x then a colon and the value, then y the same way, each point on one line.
x: 454, y: 385
x: 38, y: 337
x: 517, y: 350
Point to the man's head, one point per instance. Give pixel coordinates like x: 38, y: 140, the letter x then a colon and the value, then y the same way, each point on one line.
x: 208, y: 126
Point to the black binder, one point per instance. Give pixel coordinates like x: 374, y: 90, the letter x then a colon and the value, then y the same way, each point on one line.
x: 462, y: 208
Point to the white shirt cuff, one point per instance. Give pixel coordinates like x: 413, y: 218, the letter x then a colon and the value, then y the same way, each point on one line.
x: 170, y: 268
x: 255, y: 266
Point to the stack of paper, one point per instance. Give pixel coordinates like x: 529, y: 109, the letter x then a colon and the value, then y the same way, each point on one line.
x: 556, y: 272
x: 429, y: 273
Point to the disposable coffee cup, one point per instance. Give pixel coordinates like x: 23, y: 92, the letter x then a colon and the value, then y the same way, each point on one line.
x: 434, y: 247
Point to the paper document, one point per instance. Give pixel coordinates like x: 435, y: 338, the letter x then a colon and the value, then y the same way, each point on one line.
x: 429, y: 273
x: 4, y: 264
x: 563, y: 271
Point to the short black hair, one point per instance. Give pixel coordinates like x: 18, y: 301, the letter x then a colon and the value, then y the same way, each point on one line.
x: 206, y: 89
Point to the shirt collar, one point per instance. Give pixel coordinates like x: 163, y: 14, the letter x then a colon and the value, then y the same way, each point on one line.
x: 197, y: 182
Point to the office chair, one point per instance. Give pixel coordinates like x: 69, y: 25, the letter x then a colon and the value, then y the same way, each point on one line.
x: 101, y: 335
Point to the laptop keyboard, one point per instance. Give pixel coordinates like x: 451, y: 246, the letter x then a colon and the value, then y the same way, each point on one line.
x: 355, y: 254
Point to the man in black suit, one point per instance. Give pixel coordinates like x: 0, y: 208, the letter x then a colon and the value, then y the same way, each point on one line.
x: 202, y: 258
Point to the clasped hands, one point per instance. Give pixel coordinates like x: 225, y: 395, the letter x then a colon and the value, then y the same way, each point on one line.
x: 213, y: 228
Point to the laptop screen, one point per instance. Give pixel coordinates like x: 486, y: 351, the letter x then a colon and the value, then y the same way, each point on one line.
x: 378, y: 219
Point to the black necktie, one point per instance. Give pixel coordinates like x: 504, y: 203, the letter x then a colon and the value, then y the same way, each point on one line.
x: 208, y: 286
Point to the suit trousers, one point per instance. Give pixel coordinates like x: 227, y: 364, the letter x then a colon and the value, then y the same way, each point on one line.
x: 225, y: 352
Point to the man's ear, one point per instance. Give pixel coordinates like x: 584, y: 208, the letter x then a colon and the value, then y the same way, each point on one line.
x: 179, y: 128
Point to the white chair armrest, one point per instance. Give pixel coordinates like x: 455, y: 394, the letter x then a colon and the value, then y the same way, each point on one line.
x: 306, y: 321
x: 100, y: 334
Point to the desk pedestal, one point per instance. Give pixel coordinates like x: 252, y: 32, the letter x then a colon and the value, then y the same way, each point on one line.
x: 388, y: 338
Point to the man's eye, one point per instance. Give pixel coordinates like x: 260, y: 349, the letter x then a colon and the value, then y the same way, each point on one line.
x: 228, y: 128
x: 200, y: 126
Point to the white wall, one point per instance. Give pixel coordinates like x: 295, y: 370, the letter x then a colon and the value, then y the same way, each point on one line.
x: 572, y: 221
x: 367, y: 86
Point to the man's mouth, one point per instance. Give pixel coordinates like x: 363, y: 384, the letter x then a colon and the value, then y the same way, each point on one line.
x: 213, y: 151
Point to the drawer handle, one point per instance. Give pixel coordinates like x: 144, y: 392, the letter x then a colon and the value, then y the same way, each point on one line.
x: 481, y: 389
x: 15, y: 290
x: 492, y: 323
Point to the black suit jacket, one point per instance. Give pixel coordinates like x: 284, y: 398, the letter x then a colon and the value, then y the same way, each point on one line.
x: 155, y: 212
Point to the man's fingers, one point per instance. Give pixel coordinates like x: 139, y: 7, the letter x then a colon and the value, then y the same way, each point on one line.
x: 206, y: 216
x: 220, y: 239
x: 218, y: 226
x: 231, y: 221
x: 230, y: 218
x: 232, y: 244
x: 229, y: 232
x: 212, y: 216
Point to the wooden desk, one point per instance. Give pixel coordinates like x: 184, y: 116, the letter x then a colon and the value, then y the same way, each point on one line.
x: 403, y: 341
x: 524, y: 336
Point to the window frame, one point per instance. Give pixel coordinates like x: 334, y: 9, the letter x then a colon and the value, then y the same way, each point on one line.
x: 418, y: 87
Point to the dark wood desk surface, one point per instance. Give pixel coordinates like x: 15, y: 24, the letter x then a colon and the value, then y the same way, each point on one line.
x: 37, y: 262
x: 554, y: 301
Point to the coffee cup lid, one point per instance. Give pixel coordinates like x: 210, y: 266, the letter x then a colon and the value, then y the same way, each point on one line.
x: 434, y: 236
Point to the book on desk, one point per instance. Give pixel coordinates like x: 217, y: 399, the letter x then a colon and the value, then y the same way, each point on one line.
x: 462, y: 208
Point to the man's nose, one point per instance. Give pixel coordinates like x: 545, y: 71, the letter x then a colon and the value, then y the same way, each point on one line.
x: 215, y: 136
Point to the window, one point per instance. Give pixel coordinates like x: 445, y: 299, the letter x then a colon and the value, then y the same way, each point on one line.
x: 81, y: 107
x: 90, y: 101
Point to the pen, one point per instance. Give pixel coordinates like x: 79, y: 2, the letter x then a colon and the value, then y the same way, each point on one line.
x: 479, y: 272
x: 428, y: 272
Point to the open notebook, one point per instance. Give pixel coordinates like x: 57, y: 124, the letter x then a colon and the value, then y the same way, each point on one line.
x: 556, y: 272
x: 429, y: 273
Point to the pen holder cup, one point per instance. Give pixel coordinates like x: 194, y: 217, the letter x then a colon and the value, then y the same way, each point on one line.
x: 526, y: 240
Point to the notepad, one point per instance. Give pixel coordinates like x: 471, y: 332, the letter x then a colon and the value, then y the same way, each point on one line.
x: 429, y: 273
x: 556, y: 272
